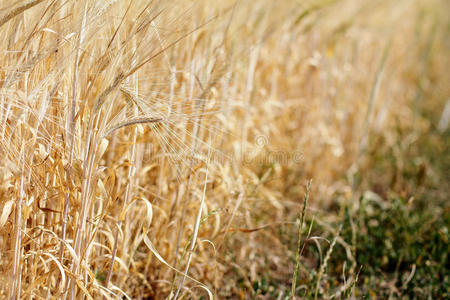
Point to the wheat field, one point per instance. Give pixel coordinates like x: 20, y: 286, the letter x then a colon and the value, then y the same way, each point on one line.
x: 224, y: 149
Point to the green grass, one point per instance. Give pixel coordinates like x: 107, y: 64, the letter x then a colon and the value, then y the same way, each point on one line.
x: 400, y: 250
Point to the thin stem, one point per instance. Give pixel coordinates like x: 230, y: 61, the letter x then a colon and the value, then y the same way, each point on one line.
x: 299, y: 242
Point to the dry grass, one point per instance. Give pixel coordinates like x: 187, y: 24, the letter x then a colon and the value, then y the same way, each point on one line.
x: 151, y: 149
